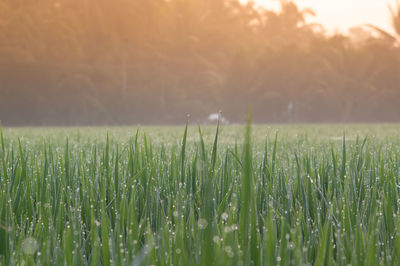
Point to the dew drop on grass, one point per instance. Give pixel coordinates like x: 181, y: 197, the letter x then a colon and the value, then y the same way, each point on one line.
x: 202, y: 223
x: 29, y: 246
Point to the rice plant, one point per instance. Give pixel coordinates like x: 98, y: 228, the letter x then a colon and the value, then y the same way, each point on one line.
x: 78, y: 197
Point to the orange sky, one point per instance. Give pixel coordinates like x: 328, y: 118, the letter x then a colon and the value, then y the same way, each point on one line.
x: 342, y: 14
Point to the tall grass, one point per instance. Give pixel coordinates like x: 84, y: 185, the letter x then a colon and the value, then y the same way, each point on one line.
x: 112, y: 202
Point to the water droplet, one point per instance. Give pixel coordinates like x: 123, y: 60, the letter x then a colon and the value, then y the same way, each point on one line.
x: 202, y: 223
x: 216, y: 239
x: 29, y: 246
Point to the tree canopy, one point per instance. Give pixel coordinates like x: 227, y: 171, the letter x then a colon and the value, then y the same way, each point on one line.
x: 69, y: 62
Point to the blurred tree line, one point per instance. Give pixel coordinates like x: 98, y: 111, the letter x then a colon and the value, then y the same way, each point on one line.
x: 66, y: 62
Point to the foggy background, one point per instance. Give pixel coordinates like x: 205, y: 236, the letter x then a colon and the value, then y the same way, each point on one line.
x: 122, y: 62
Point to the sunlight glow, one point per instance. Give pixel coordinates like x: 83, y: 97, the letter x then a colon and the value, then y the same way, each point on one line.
x: 340, y: 15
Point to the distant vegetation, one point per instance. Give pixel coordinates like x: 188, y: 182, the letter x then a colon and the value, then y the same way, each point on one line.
x: 120, y: 62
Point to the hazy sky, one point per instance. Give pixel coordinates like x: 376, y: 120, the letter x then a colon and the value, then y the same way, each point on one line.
x: 342, y: 14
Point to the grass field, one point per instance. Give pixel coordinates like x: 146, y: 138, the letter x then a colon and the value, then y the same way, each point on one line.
x: 265, y: 195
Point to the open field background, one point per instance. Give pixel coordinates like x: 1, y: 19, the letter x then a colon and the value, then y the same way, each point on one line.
x: 289, y: 195
x: 228, y: 134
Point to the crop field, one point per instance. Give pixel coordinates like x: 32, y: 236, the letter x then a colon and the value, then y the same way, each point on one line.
x: 227, y: 195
